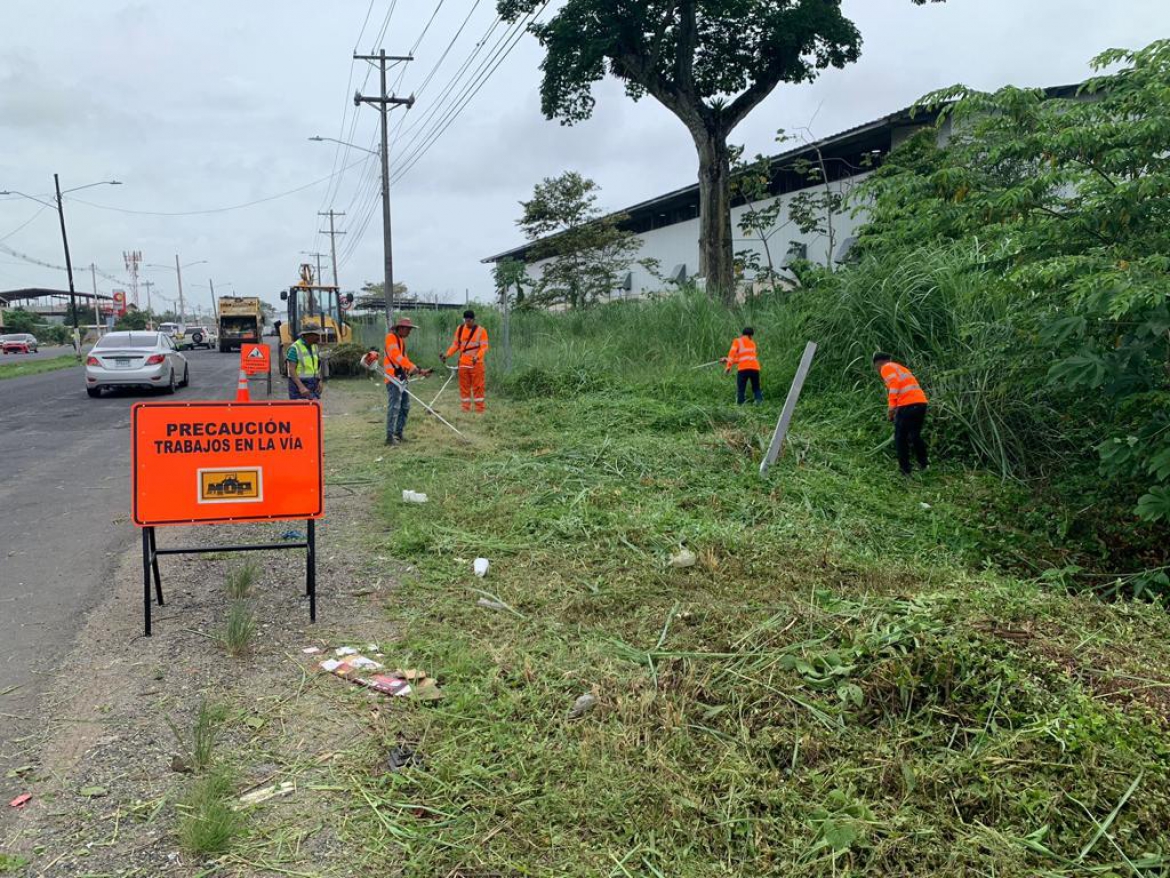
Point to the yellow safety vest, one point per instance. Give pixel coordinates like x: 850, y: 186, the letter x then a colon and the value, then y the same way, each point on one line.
x: 308, y: 360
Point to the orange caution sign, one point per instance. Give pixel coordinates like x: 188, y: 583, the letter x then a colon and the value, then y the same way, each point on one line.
x: 256, y: 359
x: 224, y: 462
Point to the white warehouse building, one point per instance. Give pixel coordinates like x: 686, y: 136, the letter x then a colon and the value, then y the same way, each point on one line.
x: 668, y: 225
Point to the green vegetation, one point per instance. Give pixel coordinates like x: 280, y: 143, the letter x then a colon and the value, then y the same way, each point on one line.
x: 241, y: 580
x: 1057, y: 210
x: 23, y: 367
x: 709, y: 64
x: 207, y: 821
x: 239, y: 630
x: 836, y: 686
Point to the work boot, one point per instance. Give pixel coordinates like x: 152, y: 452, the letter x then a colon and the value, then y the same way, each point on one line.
x: 391, y: 441
x: 400, y: 439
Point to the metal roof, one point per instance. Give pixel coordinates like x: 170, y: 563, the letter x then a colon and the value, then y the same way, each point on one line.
x: 30, y: 293
x: 690, y: 193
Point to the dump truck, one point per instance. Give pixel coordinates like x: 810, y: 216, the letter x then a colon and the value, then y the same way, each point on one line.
x: 312, y: 306
x: 240, y: 322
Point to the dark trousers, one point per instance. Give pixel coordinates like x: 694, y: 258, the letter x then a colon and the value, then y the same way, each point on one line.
x: 908, y: 422
x: 313, y: 385
x: 741, y: 383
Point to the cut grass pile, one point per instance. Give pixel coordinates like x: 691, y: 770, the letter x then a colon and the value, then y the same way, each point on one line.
x: 834, y: 688
x: 20, y: 369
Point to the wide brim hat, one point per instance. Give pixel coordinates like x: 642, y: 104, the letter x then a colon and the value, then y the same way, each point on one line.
x: 405, y: 323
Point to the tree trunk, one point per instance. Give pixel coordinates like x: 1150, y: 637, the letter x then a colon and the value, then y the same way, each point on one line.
x: 716, y: 258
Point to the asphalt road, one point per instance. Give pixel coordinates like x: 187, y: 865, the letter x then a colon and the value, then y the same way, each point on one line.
x: 64, y: 516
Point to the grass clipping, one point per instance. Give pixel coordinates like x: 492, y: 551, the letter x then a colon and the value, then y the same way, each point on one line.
x: 830, y: 692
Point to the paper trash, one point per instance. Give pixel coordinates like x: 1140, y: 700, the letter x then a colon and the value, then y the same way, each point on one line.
x: 481, y: 567
x: 413, y: 497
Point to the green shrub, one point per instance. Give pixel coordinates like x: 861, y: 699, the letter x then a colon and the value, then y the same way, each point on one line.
x: 345, y: 361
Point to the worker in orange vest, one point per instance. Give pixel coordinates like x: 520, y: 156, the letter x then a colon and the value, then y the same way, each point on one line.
x: 907, y: 410
x: 471, y: 343
x: 745, y: 358
x: 399, y: 367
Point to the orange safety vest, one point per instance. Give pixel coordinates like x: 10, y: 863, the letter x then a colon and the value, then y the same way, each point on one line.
x: 469, y: 345
x: 903, y: 386
x: 743, y: 355
x: 396, y: 361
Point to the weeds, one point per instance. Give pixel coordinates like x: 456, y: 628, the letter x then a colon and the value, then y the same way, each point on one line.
x: 241, y: 580
x: 821, y: 694
x: 207, y: 821
x: 199, y: 748
x: 239, y: 630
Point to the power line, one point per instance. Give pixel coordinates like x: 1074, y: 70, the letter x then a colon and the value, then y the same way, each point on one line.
x: 466, y: 96
x: 25, y: 223
x: 232, y: 207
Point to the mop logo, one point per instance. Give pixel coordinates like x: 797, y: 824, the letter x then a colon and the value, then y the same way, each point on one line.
x: 231, y: 485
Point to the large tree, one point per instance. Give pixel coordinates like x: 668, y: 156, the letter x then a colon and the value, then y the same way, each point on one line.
x: 710, y: 62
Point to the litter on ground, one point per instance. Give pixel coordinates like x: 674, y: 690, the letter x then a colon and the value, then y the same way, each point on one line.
x: 413, y: 497
x: 311, y: 650
x: 400, y: 683
x: 685, y: 558
x: 21, y: 800
x: 264, y: 794
x: 583, y: 705
x: 345, y: 650
x: 481, y: 567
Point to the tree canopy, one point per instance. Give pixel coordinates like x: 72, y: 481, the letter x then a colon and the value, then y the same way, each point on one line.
x: 710, y: 62
x: 1069, y: 201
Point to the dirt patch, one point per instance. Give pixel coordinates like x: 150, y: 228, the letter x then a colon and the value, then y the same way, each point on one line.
x: 100, y: 761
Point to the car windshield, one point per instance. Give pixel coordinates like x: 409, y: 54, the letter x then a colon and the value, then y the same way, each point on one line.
x: 129, y: 340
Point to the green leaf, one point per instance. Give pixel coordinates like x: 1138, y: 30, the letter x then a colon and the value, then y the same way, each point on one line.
x: 94, y: 792
x: 1155, y: 506
x: 839, y: 836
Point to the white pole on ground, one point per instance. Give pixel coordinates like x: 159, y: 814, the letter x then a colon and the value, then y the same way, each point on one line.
x: 789, y: 408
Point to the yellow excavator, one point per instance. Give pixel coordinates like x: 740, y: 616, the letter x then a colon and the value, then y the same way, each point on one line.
x: 313, y: 306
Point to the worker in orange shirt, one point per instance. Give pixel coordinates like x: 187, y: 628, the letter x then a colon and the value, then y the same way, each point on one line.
x: 399, y: 367
x: 471, y: 343
x: 907, y: 410
x: 746, y: 360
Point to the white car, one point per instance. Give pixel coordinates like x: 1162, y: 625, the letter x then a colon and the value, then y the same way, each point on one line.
x: 135, y: 359
x: 201, y: 337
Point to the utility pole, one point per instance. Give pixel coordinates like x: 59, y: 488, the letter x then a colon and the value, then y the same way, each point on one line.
x: 179, y: 272
x: 65, y: 241
x: 97, y: 315
x: 214, y: 302
x: 149, y: 308
x: 333, y: 233
x: 384, y: 102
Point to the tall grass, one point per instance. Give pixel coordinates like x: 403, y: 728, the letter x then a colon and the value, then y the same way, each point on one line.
x: 939, y: 309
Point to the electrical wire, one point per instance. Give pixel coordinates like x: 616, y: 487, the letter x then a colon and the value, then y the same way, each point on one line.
x: 214, y: 210
x: 466, y: 96
x: 27, y: 222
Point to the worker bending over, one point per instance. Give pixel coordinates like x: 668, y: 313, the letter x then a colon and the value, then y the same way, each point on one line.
x: 398, y: 369
x: 471, y: 343
x: 745, y: 359
x: 907, y: 410
x: 304, y: 367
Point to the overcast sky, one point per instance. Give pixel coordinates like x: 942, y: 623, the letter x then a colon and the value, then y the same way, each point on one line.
x: 209, y: 105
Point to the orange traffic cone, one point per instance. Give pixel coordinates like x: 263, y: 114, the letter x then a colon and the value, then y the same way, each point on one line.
x: 242, y: 394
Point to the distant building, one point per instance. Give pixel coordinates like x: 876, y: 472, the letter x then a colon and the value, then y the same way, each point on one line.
x: 669, y: 224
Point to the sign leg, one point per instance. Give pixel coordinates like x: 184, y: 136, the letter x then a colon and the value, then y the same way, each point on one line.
x: 311, y: 571
x: 146, y: 580
x: 789, y: 408
x: 154, y: 567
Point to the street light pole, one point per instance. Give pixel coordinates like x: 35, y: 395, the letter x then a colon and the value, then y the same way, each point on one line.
x: 68, y: 259
x: 179, y: 272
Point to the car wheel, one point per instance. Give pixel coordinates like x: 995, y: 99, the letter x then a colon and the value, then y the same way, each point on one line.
x: 186, y: 377
x: 171, y: 385
x: 93, y: 392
